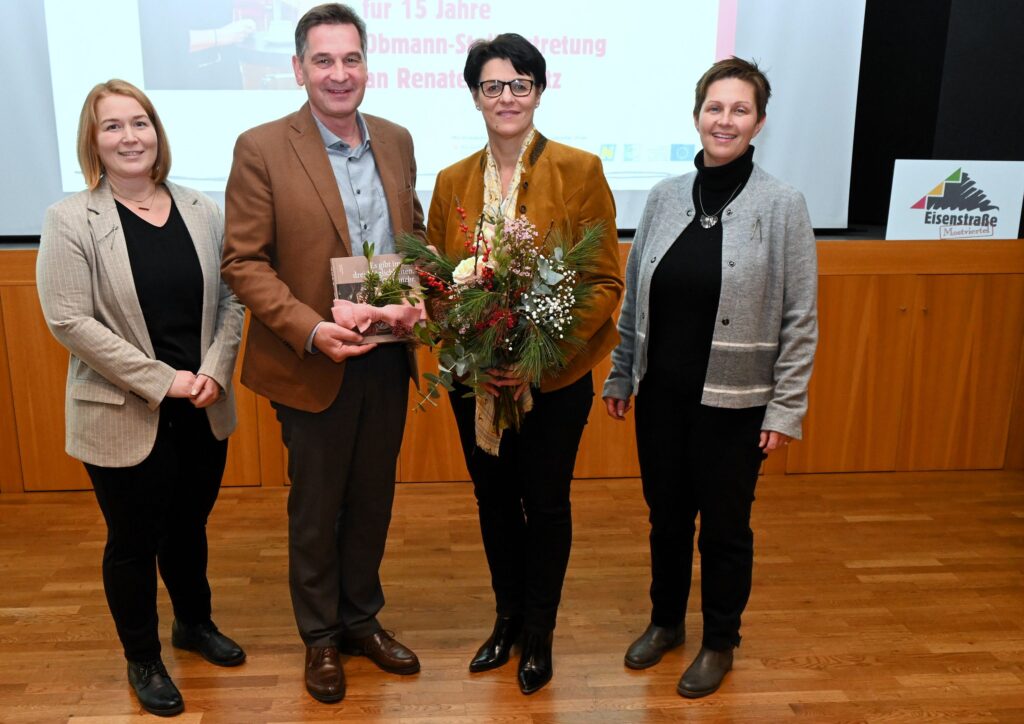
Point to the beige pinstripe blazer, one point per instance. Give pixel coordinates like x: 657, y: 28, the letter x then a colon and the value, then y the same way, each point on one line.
x: 115, y: 385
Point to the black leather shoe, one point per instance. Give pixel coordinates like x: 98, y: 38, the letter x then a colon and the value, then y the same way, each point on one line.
x: 496, y: 649
x: 154, y: 688
x: 705, y: 673
x: 208, y: 642
x: 653, y: 643
x: 535, y: 667
x: 384, y: 650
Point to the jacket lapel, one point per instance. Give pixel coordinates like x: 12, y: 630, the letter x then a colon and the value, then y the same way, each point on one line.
x: 309, y: 147
x: 197, y: 222
x: 108, y: 236
x: 389, y: 167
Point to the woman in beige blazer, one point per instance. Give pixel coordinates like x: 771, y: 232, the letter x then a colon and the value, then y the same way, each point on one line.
x: 128, y: 278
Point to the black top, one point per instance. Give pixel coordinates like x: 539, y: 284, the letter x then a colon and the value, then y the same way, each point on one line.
x: 169, y: 284
x: 687, y: 283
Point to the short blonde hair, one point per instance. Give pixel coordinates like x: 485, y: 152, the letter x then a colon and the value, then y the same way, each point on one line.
x: 88, y: 152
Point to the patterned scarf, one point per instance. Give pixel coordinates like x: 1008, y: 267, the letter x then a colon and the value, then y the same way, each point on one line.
x: 494, y: 207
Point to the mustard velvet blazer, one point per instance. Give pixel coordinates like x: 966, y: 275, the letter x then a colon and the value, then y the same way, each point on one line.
x: 560, y: 186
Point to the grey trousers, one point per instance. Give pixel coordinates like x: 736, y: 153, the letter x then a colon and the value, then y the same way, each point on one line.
x: 341, y: 463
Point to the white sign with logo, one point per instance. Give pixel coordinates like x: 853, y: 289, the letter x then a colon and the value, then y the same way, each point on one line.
x: 955, y: 200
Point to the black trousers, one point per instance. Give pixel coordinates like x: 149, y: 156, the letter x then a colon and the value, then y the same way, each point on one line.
x: 341, y: 463
x: 523, y: 499
x: 156, y: 515
x: 698, y: 460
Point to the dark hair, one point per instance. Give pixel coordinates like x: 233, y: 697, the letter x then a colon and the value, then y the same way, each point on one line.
x: 514, y: 48
x: 734, y: 67
x: 327, y: 14
x: 88, y: 151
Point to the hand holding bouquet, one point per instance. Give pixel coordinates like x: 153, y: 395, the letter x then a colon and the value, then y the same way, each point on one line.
x: 505, y: 311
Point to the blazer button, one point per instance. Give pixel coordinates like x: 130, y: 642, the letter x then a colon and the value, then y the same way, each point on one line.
x: 654, y: 259
x: 522, y: 208
x: 725, y: 321
x: 732, y: 263
x: 526, y: 185
x: 728, y: 212
x: 689, y: 212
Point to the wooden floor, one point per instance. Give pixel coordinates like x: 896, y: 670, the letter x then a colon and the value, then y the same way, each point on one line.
x: 876, y: 598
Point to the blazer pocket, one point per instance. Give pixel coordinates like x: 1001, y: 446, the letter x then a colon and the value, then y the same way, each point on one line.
x: 90, y: 391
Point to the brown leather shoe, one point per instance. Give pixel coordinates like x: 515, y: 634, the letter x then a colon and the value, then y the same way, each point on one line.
x: 382, y: 649
x: 325, y: 679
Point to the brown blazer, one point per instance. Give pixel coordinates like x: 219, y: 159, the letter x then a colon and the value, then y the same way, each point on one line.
x: 284, y: 221
x: 560, y: 186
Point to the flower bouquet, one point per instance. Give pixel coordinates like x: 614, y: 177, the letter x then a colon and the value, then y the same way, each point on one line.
x: 510, y: 304
x: 377, y: 296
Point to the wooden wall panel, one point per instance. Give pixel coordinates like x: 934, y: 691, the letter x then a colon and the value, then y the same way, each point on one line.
x: 855, y: 397
x: 946, y: 256
x: 967, y: 342
x: 860, y: 401
x: 431, y: 451
x: 1015, y: 438
x: 273, y: 454
x: 608, y: 448
x: 17, y: 267
x: 10, y: 457
x: 243, y: 464
x: 39, y: 368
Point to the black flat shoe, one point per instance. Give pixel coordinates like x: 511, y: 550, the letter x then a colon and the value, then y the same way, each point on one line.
x: 153, y: 686
x: 705, y: 673
x: 535, y: 668
x: 208, y: 642
x: 495, y: 650
x: 653, y: 643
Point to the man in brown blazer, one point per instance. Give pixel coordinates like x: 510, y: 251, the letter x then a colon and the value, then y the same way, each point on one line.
x: 310, y: 186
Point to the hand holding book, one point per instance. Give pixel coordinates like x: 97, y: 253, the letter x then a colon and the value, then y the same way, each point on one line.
x: 377, y: 296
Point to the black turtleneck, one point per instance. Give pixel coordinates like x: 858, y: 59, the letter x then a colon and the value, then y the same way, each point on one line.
x: 687, y: 283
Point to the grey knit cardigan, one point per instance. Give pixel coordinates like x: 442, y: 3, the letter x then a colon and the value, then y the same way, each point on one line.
x: 766, y: 328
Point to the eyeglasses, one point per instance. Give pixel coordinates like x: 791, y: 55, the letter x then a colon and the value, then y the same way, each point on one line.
x: 494, y: 88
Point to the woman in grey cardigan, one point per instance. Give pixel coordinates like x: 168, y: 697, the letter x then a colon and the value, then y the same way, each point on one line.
x: 718, y: 327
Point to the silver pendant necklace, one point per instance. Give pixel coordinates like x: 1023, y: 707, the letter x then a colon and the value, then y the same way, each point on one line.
x: 709, y: 220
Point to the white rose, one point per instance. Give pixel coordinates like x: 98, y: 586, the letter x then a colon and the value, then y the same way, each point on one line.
x: 465, y: 272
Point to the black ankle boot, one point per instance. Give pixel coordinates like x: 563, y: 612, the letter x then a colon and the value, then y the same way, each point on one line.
x: 705, y: 674
x: 535, y: 668
x: 154, y: 688
x: 208, y: 642
x: 496, y: 649
x: 653, y: 643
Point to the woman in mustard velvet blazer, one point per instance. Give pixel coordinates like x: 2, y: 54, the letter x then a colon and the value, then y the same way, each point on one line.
x: 523, y: 492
